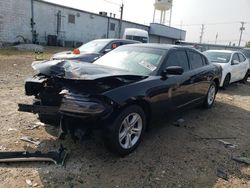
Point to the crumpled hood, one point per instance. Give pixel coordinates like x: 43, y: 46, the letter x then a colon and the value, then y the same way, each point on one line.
x: 83, y: 56
x: 69, y: 69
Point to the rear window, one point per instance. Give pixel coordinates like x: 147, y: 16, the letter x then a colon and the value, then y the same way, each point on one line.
x: 246, y: 52
x: 236, y: 57
x: 195, y: 60
x: 242, y: 58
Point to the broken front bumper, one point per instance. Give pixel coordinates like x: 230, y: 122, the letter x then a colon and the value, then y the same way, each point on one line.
x: 70, y: 107
x: 38, y: 109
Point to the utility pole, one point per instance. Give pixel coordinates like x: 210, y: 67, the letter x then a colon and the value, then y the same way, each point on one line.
x: 121, y: 10
x: 120, y: 23
x: 170, y: 19
x: 242, y: 28
x: 202, y: 32
x: 216, y: 37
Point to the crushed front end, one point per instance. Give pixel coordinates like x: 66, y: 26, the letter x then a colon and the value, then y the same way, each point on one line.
x: 71, y: 94
x: 67, y: 103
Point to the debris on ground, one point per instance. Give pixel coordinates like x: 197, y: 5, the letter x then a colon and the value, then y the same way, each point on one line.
x: 30, y: 140
x: 40, y: 124
x: 245, y: 160
x: 2, y: 148
x: 179, y: 123
x: 222, y: 174
x: 227, y: 144
x: 29, y: 182
x: 32, y: 127
x: 30, y: 47
x: 12, y: 129
x: 215, y: 138
x: 57, y: 157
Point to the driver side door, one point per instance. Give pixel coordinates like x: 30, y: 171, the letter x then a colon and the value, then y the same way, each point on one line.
x: 181, y: 92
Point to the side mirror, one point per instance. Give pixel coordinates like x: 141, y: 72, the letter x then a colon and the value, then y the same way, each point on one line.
x: 235, y: 62
x: 173, y: 70
x: 106, y: 51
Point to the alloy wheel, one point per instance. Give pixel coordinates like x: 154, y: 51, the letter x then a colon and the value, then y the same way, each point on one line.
x: 211, y: 95
x: 130, y: 130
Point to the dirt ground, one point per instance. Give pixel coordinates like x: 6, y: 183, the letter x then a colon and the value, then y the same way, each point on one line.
x: 169, y: 156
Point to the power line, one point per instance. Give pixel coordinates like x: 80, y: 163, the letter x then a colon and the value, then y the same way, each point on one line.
x: 216, y: 23
x: 111, y: 2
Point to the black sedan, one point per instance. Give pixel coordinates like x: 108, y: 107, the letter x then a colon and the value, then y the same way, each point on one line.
x: 92, y: 50
x: 123, y: 91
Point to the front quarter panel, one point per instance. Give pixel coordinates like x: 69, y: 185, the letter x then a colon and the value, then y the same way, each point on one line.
x: 154, y: 90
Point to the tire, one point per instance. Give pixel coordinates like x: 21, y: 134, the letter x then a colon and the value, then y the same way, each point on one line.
x: 126, y: 131
x: 53, y: 120
x: 244, y: 80
x: 226, y: 82
x: 210, y: 97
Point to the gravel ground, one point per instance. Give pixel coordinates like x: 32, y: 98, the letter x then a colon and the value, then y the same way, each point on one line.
x: 169, y: 156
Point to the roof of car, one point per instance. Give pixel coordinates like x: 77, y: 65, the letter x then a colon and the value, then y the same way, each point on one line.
x: 121, y: 40
x: 223, y: 51
x: 160, y: 46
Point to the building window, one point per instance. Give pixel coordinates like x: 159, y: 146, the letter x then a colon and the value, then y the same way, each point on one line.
x: 72, y: 18
x: 112, y: 26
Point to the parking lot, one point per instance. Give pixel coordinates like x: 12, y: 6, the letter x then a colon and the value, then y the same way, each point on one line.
x: 189, y: 155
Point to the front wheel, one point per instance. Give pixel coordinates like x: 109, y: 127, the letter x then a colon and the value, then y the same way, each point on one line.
x: 210, y: 97
x: 126, y: 132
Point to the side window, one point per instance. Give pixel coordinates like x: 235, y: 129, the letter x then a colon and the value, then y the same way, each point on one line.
x: 242, y: 58
x: 113, y: 45
x: 178, y: 58
x: 205, y: 62
x: 236, y: 57
x: 195, y: 60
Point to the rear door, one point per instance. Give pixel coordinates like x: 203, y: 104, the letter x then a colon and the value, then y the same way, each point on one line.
x: 201, y: 74
x: 243, y: 66
x: 236, y: 70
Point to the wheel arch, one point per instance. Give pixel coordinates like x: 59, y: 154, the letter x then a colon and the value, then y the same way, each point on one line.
x: 143, y: 104
x: 217, y: 82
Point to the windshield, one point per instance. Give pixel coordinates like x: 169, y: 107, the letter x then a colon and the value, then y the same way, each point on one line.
x: 94, y: 46
x: 219, y: 57
x: 138, y: 60
x: 246, y: 52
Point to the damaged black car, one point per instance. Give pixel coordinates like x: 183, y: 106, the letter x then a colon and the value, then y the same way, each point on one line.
x: 122, y: 92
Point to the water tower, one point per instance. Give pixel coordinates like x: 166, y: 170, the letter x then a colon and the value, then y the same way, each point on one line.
x: 163, y: 6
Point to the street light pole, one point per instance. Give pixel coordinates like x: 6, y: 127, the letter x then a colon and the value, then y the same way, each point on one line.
x: 242, y: 28
x: 120, y: 23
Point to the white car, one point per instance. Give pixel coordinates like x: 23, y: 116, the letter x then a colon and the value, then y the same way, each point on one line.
x: 246, y: 52
x: 234, y: 65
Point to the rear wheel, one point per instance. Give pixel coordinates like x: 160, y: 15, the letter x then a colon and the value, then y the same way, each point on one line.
x: 210, y: 97
x: 226, y: 81
x: 244, y: 80
x: 127, y: 130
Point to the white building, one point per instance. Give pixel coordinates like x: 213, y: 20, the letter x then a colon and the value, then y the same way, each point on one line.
x: 68, y: 26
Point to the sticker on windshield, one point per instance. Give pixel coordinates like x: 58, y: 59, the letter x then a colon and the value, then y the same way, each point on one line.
x: 148, y: 65
x: 221, y: 58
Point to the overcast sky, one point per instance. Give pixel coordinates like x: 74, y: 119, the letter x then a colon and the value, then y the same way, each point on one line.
x: 222, y: 16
